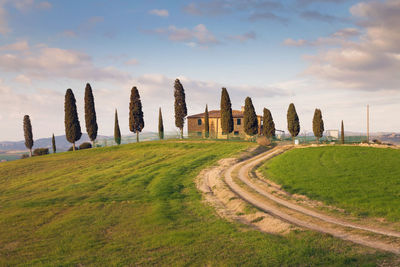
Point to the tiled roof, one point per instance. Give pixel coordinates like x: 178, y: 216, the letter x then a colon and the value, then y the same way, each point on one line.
x: 217, y: 114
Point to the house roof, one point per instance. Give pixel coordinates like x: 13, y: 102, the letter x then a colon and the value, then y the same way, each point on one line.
x: 217, y: 114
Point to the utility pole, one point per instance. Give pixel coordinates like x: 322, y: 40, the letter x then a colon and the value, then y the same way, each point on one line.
x: 368, y: 124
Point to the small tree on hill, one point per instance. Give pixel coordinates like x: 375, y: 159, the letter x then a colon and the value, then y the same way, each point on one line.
x: 206, y: 123
x: 90, y: 114
x: 342, y: 134
x: 226, y: 113
x: 180, y: 106
x: 160, y: 125
x: 250, y: 118
x: 72, y: 126
x: 293, y: 121
x: 318, y: 124
x: 136, y: 122
x: 268, y: 124
x: 53, y: 143
x: 117, y: 131
x: 28, y: 134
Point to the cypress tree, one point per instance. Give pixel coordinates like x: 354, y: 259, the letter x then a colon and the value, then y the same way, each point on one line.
x: 342, y: 134
x: 268, y: 124
x: 90, y: 114
x: 72, y: 126
x: 117, y: 131
x: 250, y: 118
x: 226, y: 113
x: 206, y: 123
x: 318, y: 124
x: 28, y: 134
x: 53, y: 143
x: 180, y: 106
x: 293, y: 121
x: 136, y: 122
x: 160, y: 125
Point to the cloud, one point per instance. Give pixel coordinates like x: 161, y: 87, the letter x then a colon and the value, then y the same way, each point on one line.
x: 159, y: 12
x: 199, y: 35
x: 243, y: 37
x: 22, y: 79
x: 373, y: 61
x: 18, y: 46
x: 132, y: 61
x: 336, y: 38
x: 83, y: 28
x: 267, y: 16
x: 315, y: 15
x: 45, y: 62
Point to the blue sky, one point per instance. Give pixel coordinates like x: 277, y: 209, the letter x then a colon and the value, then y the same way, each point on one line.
x: 334, y: 55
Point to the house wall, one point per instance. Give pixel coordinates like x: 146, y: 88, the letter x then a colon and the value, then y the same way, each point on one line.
x: 195, y: 130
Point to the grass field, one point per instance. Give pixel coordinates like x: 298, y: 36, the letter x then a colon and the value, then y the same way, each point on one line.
x: 364, y: 181
x: 137, y: 204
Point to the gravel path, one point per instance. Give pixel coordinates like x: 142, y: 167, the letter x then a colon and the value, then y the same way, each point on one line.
x: 310, y: 219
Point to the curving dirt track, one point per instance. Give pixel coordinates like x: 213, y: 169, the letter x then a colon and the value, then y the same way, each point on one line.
x: 239, y: 180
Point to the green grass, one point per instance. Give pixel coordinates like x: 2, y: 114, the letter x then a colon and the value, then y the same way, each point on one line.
x: 137, y: 205
x: 364, y: 181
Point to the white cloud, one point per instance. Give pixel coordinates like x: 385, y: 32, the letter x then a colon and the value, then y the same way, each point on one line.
x: 243, y: 37
x: 132, y: 61
x: 371, y: 62
x: 336, y: 38
x: 159, y: 12
x: 17, y: 46
x: 23, y: 79
x: 199, y: 35
x: 45, y: 62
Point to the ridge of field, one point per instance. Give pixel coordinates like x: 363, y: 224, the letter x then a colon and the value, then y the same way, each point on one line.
x: 364, y: 181
x: 137, y: 204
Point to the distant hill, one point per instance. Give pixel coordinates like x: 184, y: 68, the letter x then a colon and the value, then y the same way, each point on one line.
x: 63, y: 145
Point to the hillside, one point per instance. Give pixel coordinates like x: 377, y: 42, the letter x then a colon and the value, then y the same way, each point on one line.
x: 361, y: 180
x: 137, y: 205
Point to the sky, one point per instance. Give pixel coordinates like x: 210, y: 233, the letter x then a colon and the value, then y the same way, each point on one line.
x: 335, y: 55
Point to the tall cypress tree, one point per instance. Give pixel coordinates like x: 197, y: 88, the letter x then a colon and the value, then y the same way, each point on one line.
x: 293, y: 121
x: 342, y: 134
x: 206, y: 123
x: 72, y: 126
x: 136, y: 122
x: 180, y: 106
x: 226, y: 113
x: 318, y: 124
x: 28, y: 134
x: 53, y: 143
x: 117, y: 131
x: 160, y: 125
x: 268, y: 124
x: 250, y: 118
x: 90, y: 114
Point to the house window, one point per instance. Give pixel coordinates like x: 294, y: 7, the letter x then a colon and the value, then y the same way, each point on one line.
x: 199, y: 122
x: 239, y: 121
x: 236, y: 132
x: 199, y: 134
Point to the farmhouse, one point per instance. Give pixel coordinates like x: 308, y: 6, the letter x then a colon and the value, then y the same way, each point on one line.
x: 196, y: 124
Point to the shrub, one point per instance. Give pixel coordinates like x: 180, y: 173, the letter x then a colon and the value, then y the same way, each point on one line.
x: 72, y: 149
x: 24, y: 156
x: 263, y: 141
x: 40, y: 151
x: 376, y: 141
x: 85, y: 145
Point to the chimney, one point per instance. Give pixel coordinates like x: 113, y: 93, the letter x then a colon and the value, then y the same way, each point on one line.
x: 242, y: 108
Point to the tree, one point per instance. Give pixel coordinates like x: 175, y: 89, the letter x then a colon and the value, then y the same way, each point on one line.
x: 160, y: 125
x: 180, y: 106
x: 226, y: 113
x: 136, y: 122
x: 53, y: 143
x: 90, y: 114
x: 72, y: 126
x: 206, y: 123
x: 342, y: 134
x: 250, y: 118
x: 318, y: 124
x: 293, y: 121
x: 28, y: 134
x: 117, y: 131
x: 268, y: 124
